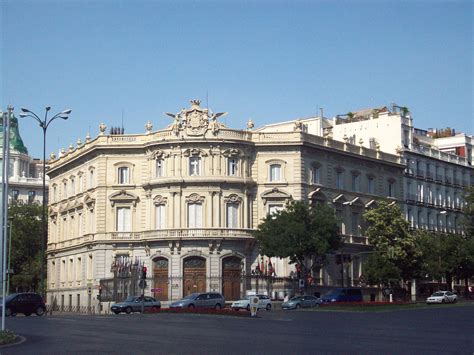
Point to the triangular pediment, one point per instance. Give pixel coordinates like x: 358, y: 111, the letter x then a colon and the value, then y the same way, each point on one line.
x: 275, y: 194
x: 123, y: 197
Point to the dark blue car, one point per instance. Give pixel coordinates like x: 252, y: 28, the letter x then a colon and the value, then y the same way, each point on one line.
x: 350, y: 294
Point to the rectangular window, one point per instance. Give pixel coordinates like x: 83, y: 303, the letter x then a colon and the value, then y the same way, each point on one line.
x: 339, y: 180
x: 64, y: 189
x: 80, y: 221
x: 123, y: 175
x: 194, y: 215
x: 391, y: 189
x: 316, y: 175
x: 371, y: 185
x: 275, y: 172
x: 274, y: 208
x: 79, y: 269
x: 80, y: 183
x: 355, y: 182
x: 89, y: 267
x: 160, y: 222
x: 31, y: 196
x: 159, y: 168
x: 123, y: 219
x: 91, y: 179
x: 232, y: 215
x: 194, y: 166
x: 72, y: 190
x: 55, y: 193
x: 232, y: 167
x: 355, y: 224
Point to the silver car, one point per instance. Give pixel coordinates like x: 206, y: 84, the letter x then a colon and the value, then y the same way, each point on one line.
x: 200, y: 300
x: 442, y: 297
x: 135, y: 303
x: 301, y: 301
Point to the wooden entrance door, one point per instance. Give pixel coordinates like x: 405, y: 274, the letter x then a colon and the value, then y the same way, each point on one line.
x: 194, y: 275
x: 231, y: 270
x: 160, y: 279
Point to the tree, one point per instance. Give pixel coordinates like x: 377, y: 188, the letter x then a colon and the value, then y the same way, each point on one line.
x: 389, y: 234
x: 300, y: 233
x: 25, y: 246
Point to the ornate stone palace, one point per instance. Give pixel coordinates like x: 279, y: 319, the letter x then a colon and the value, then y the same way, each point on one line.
x: 184, y: 201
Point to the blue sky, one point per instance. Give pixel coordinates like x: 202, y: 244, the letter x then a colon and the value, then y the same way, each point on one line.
x: 266, y: 60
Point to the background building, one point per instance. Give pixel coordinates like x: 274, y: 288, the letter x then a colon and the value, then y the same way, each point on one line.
x: 26, y: 174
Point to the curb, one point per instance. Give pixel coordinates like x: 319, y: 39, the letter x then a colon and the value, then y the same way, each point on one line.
x: 19, y: 340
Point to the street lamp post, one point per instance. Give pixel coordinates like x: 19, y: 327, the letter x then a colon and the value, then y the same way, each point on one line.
x: 44, y: 124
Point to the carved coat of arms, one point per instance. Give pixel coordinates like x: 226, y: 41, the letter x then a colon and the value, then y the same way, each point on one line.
x: 195, y: 121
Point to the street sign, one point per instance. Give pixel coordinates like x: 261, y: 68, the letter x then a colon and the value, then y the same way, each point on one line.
x: 157, y: 290
x: 89, y: 290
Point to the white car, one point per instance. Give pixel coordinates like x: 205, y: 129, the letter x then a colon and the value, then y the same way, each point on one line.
x: 442, y: 297
x: 264, y: 302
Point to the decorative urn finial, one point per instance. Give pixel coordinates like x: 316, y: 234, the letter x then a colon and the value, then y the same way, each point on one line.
x: 102, y: 128
x: 250, y: 124
x: 148, y: 127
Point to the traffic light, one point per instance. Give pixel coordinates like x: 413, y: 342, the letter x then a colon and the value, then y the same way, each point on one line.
x: 144, y: 273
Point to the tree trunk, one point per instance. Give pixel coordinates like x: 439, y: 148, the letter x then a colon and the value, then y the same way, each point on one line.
x: 449, y: 281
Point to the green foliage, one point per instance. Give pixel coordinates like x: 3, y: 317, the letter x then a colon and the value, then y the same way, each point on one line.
x: 389, y: 234
x: 7, y: 337
x: 26, y: 246
x: 300, y: 232
x: 380, y: 270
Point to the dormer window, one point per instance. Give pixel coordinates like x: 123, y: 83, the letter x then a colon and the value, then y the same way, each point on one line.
x: 275, y: 172
x: 123, y: 175
x: 194, y: 166
x: 232, y: 167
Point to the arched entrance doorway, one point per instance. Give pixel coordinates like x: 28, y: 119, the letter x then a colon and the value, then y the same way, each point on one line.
x: 160, y: 279
x: 194, y: 275
x: 231, y: 269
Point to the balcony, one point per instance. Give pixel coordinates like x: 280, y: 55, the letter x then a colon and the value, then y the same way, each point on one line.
x: 448, y: 180
x: 411, y: 198
x: 429, y: 176
x: 420, y: 174
x: 439, y: 178
x: 457, y: 182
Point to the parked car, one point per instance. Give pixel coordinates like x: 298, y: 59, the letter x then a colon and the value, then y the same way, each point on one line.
x: 301, y: 301
x: 349, y: 294
x: 264, y: 302
x: 134, y: 304
x: 26, y: 303
x: 201, y: 300
x: 442, y: 297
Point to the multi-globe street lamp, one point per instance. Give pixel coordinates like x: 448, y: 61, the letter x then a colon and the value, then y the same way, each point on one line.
x: 44, y: 124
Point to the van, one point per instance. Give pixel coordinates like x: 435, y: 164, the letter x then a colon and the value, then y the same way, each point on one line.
x: 350, y: 294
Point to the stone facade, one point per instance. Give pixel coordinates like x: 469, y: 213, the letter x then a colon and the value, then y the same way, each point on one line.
x: 184, y: 200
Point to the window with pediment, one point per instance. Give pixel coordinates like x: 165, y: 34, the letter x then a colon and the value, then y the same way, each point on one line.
x: 123, y: 219
x: 316, y: 173
x: 339, y: 178
x: 194, y: 166
x: 195, y: 211
x: 275, y: 172
x: 159, y: 168
x: 123, y: 175
x: 160, y: 212
x: 232, y: 166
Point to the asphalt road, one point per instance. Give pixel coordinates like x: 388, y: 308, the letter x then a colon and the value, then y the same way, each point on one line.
x: 435, y: 330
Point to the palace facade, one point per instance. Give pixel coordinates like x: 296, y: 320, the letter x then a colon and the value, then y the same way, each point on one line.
x: 183, y: 201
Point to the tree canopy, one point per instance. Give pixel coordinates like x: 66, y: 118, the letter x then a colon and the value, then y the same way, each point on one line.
x: 301, y: 233
x: 389, y: 234
x: 25, y: 246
